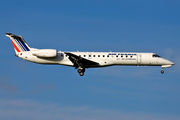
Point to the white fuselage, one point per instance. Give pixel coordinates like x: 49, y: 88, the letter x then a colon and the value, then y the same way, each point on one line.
x: 103, y: 58
x: 83, y: 60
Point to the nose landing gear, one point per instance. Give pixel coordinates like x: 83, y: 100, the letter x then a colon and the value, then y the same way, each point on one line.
x: 165, y: 66
x: 162, y: 71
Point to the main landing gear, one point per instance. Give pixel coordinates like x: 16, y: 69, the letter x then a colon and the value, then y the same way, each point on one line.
x: 81, y: 71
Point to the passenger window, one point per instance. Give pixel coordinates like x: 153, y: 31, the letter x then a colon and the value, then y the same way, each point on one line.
x: 98, y: 55
x: 116, y: 55
x: 94, y: 55
x: 89, y: 55
x: 84, y: 55
x: 107, y: 55
x: 126, y: 56
x: 121, y: 56
x: 131, y: 56
x: 103, y: 55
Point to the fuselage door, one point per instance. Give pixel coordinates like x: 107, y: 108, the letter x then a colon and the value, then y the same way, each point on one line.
x: 139, y: 59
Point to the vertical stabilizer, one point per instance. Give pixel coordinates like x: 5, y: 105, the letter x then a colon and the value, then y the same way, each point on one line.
x: 19, y: 43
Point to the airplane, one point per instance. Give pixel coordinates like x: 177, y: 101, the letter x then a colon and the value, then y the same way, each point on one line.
x: 84, y: 60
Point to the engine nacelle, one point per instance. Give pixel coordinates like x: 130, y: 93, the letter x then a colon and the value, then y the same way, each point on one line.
x: 45, y: 53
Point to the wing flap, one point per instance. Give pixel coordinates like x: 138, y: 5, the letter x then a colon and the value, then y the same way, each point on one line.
x: 79, y: 61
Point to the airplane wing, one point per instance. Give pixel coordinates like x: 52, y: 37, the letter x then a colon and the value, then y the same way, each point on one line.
x: 79, y: 61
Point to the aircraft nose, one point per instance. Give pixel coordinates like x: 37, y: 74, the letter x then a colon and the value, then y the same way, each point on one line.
x: 172, y: 63
x: 168, y: 62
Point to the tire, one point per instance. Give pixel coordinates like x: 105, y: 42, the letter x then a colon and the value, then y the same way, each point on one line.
x: 83, y: 70
x: 79, y: 70
x: 81, y: 73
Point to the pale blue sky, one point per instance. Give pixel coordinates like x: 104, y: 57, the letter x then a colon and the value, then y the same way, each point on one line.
x: 33, y: 91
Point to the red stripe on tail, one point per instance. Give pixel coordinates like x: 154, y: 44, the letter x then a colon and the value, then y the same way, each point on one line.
x: 16, y: 48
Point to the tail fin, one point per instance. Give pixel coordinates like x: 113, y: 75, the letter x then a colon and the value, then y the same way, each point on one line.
x: 18, y: 42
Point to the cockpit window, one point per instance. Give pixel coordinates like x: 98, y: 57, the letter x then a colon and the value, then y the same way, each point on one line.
x: 155, y: 55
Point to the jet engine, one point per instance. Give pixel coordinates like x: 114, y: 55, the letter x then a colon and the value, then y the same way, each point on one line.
x: 45, y: 53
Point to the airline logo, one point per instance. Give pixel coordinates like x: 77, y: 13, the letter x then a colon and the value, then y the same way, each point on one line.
x: 19, y: 44
x: 128, y: 59
x: 120, y: 54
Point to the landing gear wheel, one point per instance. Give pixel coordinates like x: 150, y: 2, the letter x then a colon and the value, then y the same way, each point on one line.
x: 162, y: 71
x: 79, y: 70
x: 83, y: 70
x: 81, y: 73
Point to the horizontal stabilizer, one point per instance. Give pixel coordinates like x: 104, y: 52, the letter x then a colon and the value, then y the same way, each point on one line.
x: 12, y: 35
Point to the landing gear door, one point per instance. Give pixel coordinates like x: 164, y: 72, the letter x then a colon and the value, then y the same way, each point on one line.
x: 139, y: 59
